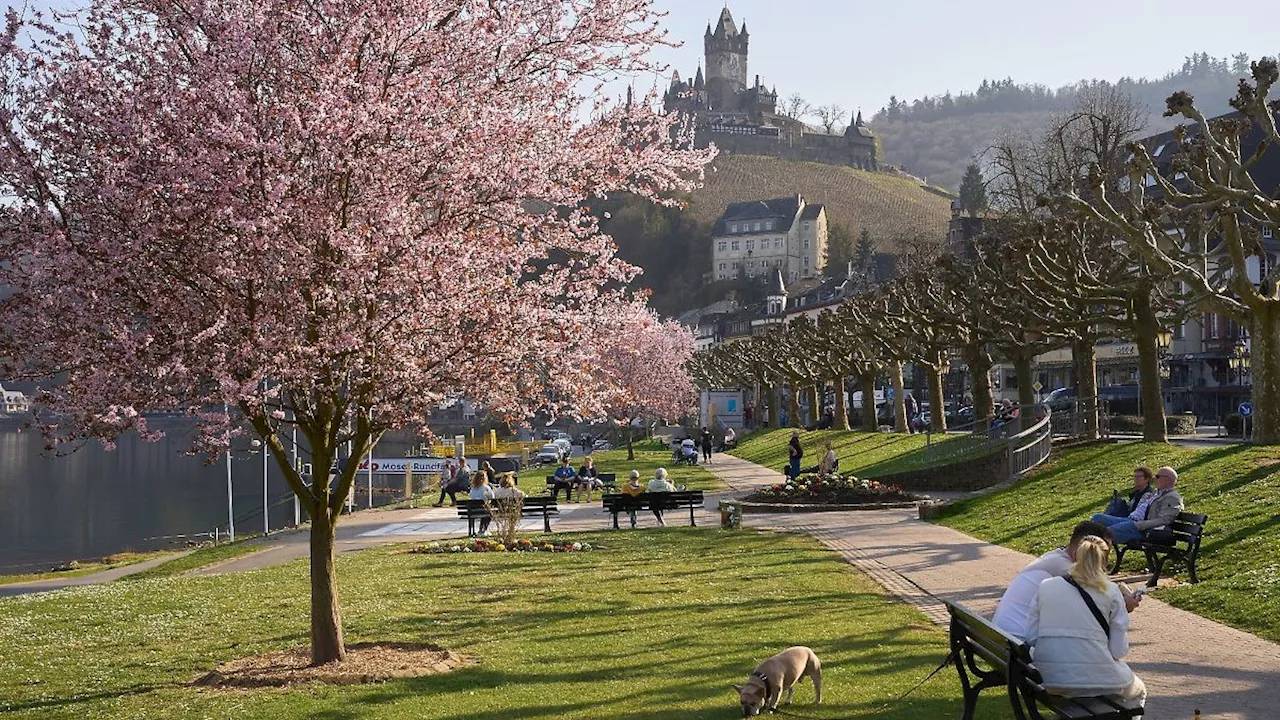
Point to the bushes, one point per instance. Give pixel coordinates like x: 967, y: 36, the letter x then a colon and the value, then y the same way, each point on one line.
x: 1132, y: 424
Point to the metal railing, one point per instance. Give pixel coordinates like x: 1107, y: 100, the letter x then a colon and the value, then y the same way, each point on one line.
x: 1030, y: 447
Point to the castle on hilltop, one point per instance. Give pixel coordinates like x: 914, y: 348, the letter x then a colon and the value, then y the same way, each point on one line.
x: 743, y: 119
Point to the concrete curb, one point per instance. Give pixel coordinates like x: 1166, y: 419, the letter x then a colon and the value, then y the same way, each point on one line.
x: 767, y: 508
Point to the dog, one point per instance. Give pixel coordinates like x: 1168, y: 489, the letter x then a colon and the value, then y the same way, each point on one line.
x: 778, y: 674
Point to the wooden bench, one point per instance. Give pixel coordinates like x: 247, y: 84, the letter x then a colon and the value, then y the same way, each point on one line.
x: 607, y: 480
x: 539, y: 506
x: 1181, y: 544
x: 677, y: 500
x: 988, y: 657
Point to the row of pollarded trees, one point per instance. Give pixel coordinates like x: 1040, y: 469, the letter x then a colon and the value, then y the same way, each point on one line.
x: 1091, y: 239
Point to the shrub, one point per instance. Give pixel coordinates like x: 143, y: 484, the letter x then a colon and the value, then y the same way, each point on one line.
x: 1125, y: 423
x: 1181, y: 424
x: 1174, y: 424
x: 1234, y: 424
x: 506, y: 518
x: 812, y: 488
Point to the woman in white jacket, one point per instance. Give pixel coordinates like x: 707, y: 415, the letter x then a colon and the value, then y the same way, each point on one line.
x: 1076, y: 655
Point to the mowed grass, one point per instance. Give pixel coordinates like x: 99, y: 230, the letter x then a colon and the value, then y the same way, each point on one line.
x: 200, y: 558
x: 861, y: 453
x: 110, y: 562
x: 649, y: 457
x: 1237, y: 486
x: 658, y: 625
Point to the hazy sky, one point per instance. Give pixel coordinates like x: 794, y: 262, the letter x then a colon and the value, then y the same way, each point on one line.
x: 859, y: 52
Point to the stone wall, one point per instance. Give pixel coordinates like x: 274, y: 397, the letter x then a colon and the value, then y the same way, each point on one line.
x: 966, y: 475
x: 829, y: 150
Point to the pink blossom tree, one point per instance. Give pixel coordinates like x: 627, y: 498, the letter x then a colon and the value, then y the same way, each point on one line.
x: 645, y: 367
x: 333, y: 213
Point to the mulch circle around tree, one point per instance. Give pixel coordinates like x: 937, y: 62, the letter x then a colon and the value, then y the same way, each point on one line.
x: 365, y: 663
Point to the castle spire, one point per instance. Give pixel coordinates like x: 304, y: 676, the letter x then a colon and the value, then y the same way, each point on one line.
x: 698, y: 81
x: 628, y: 97
x: 726, y: 27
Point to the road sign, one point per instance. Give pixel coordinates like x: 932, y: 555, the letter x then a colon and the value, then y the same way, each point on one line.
x: 1037, y: 386
x: 1246, y: 409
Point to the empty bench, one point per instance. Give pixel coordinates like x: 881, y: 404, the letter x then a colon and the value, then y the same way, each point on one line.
x: 988, y: 657
x: 1178, y: 543
x: 473, y: 510
x: 664, y: 501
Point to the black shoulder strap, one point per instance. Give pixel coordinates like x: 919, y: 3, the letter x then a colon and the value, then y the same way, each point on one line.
x: 1093, y: 606
x: 768, y: 691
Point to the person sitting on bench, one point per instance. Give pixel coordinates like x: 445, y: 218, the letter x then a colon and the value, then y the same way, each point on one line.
x: 1079, y: 630
x: 730, y: 439
x: 565, y: 479
x: 588, y: 478
x: 1014, y: 608
x: 1120, y: 505
x: 1154, y: 511
x: 634, y: 488
x: 657, y: 485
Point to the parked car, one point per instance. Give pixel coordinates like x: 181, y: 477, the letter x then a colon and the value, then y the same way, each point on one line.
x: 565, y: 444
x: 550, y: 453
x: 601, y: 445
x: 1063, y: 398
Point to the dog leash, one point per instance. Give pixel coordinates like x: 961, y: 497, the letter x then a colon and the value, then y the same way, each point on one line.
x: 946, y: 661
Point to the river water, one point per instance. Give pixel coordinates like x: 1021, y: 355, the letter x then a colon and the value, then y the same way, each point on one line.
x: 95, y: 502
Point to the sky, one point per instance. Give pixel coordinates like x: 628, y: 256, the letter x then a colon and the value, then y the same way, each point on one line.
x: 856, y: 53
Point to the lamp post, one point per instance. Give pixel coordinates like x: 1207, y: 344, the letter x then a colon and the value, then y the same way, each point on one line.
x: 1164, y: 341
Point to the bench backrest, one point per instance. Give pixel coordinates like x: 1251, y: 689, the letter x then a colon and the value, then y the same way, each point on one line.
x: 532, y: 505
x: 971, y: 630
x: 676, y: 499
x: 1188, y: 527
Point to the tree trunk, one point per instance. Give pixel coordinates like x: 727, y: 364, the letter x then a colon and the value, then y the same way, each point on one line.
x: 631, y: 451
x: 1146, y: 325
x: 1026, y: 394
x: 899, y: 401
x: 1085, y: 356
x: 870, y: 423
x: 326, y: 620
x: 979, y: 363
x: 937, y: 404
x: 842, y: 412
x: 1264, y: 362
x: 794, y: 408
x: 814, y: 414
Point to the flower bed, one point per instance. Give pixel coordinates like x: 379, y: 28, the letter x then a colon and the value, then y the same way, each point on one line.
x: 482, y: 545
x: 833, y: 490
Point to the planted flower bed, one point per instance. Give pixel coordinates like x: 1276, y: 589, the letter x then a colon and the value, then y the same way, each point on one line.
x: 833, y: 490
x: 482, y: 545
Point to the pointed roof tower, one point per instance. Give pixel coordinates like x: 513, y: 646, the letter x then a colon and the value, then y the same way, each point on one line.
x: 726, y: 27
x: 699, y: 82
x: 777, y: 287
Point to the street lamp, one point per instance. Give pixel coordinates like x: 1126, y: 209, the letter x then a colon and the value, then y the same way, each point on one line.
x: 1164, y: 340
x: 1239, y: 360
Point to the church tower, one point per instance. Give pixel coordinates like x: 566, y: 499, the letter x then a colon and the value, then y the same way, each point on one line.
x: 726, y: 51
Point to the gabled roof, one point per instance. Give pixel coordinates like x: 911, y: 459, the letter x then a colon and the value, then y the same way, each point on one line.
x: 811, y: 211
x: 784, y: 208
x: 1163, y: 148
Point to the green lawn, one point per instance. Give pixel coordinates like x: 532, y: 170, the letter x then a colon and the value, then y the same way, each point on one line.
x: 863, y: 454
x: 649, y: 457
x: 90, y: 567
x: 658, y: 625
x: 1237, y: 486
x: 200, y: 558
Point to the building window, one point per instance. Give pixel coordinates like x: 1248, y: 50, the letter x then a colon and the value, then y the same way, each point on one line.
x: 768, y: 224
x: 722, y: 266
x: 806, y: 261
x: 777, y: 263
x: 722, y: 246
x: 757, y: 227
x: 1267, y: 232
x: 806, y: 225
x: 735, y: 245
x: 737, y: 265
x: 777, y: 243
x: 1180, y: 331
x: 1159, y: 150
x: 806, y: 243
x: 751, y: 245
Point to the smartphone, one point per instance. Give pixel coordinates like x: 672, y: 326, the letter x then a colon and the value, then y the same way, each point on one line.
x: 1140, y: 591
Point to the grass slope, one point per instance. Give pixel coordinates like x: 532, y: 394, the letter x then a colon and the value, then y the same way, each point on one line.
x: 657, y: 626
x: 650, y: 457
x: 886, y: 205
x: 862, y: 454
x: 1238, y: 487
x: 109, y: 562
x: 203, y: 557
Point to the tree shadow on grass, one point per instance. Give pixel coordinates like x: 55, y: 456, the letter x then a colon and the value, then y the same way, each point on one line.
x: 49, y: 703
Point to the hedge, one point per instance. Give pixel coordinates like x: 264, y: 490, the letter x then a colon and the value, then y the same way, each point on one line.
x: 1174, y: 424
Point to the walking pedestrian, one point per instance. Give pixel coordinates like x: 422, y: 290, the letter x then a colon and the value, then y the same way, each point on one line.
x: 795, y: 453
x: 706, y: 444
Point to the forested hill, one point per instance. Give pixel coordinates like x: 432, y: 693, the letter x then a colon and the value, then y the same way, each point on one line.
x: 936, y: 137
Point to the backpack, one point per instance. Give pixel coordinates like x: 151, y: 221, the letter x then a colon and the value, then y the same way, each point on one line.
x: 1118, y: 507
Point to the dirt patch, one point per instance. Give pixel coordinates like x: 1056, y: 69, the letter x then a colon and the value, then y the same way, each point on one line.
x: 365, y: 663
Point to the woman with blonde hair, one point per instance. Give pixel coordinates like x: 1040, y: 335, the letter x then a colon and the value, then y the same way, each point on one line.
x: 1079, y: 628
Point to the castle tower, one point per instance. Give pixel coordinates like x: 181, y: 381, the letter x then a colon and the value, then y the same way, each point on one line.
x: 726, y: 51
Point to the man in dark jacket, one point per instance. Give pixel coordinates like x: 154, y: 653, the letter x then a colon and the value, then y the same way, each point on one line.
x: 705, y: 441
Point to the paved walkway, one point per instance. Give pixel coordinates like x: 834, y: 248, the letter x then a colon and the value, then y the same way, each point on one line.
x: 1187, y: 662
x: 57, y: 583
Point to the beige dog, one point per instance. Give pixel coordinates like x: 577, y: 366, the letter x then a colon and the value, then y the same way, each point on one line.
x: 778, y: 674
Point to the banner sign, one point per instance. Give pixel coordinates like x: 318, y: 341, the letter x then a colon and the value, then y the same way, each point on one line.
x: 419, y: 465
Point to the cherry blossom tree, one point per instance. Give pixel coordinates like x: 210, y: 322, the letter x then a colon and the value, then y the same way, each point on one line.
x: 333, y: 213
x: 646, y: 370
